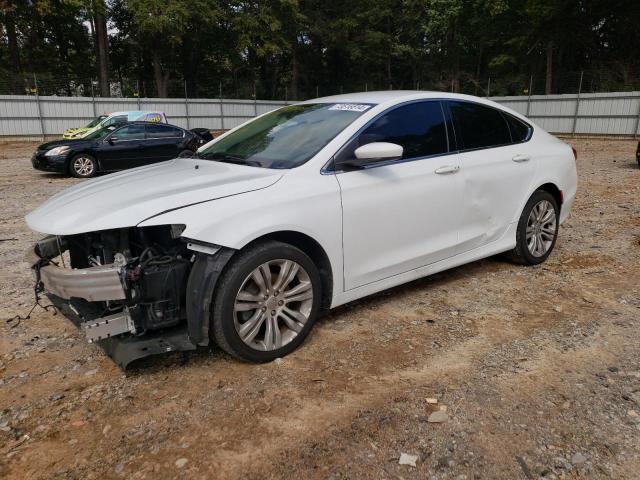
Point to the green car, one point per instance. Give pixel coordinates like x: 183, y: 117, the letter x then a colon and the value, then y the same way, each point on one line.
x: 76, y: 132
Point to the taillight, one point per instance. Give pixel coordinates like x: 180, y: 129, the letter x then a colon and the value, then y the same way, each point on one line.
x: 575, y: 154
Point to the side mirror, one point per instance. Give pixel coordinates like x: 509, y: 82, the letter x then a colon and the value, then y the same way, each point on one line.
x: 112, y: 139
x: 374, y: 152
x: 379, y: 151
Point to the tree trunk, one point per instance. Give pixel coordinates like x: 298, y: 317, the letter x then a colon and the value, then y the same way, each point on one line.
x: 14, y: 50
x: 102, y: 47
x: 294, y: 70
x: 548, y: 87
x: 161, y: 78
x: 12, y: 38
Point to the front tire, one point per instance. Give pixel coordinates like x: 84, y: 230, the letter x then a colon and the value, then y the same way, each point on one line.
x: 266, y: 302
x: 83, y: 166
x: 186, y: 154
x: 537, y: 229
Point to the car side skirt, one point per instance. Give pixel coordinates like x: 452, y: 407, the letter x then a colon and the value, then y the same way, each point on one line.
x: 503, y: 244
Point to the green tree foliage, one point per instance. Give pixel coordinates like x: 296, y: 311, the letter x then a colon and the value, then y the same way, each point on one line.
x: 297, y: 48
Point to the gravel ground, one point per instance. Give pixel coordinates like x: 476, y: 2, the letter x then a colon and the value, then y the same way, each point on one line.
x: 533, y: 372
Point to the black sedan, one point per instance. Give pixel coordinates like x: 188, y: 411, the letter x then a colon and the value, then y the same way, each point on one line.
x: 132, y: 145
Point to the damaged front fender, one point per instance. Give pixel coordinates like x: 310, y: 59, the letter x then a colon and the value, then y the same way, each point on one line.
x: 202, y: 281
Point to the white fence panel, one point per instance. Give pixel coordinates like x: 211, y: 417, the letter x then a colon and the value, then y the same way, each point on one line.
x: 614, y: 113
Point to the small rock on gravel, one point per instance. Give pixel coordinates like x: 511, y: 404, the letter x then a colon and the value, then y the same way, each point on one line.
x: 438, y: 417
x: 562, y: 463
x: 181, y: 462
x: 578, y: 458
x: 408, y: 459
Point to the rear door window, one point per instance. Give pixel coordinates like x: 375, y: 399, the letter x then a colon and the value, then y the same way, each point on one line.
x: 130, y: 132
x: 162, y: 131
x: 478, y: 126
x: 418, y: 127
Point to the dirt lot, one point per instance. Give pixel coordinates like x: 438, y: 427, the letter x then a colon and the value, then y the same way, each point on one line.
x: 538, y: 369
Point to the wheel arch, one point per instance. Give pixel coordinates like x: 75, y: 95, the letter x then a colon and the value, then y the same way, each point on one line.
x: 203, y: 279
x: 311, y: 248
x: 555, y: 192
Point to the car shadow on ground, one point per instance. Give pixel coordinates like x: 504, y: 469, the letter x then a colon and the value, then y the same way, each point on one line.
x: 629, y: 166
x: 205, y: 355
x: 52, y: 175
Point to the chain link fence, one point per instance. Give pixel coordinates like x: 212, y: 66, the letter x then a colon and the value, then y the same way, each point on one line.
x: 208, y: 86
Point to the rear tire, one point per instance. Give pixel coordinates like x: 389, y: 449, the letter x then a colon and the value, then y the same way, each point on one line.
x: 537, y: 230
x: 266, y: 302
x: 83, y: 166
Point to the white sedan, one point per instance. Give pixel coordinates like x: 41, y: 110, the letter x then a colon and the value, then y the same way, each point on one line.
x: 301, y: 209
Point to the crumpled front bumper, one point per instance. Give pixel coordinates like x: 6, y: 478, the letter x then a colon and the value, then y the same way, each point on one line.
x: 94, y: 284
x: 73, y: 290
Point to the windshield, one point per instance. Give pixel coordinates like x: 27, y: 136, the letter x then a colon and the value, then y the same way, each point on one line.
x: 95, y: 121
x: 284, y: 138
x: 98, y: 133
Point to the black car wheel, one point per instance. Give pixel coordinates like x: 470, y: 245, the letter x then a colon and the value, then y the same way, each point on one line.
x: 203, y: 133
x: 185, y: 154
x: 537, y: 229
x: 266, y: 302
x: 83, y: 165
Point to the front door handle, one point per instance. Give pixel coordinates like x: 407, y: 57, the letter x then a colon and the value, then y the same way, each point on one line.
x: 447, y: 169
x: 521, y: 158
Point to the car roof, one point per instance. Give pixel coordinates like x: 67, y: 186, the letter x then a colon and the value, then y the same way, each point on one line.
x: 384, y: 96
x: 129, y: 112
x: 391, y: 97
x: 141, y: 122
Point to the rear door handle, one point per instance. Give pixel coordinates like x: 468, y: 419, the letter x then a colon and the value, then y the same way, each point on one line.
x: 447, y: 169
x: 521, y: 158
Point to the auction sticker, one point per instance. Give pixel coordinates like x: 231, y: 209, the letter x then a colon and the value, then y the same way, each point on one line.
x: 350, y: 107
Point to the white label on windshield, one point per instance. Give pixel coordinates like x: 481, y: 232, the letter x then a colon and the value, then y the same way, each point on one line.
x: 350, y: 107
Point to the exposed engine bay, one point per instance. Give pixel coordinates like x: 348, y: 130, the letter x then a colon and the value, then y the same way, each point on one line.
x: 128, y: 284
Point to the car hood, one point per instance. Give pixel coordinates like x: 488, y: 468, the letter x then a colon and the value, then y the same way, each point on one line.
x: 125, y: 199
x: 66, y: 142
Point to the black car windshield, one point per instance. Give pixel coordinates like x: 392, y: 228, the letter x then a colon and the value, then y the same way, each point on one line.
x: 285, y: 138
x: 95, y: 121
x: 99, y: 133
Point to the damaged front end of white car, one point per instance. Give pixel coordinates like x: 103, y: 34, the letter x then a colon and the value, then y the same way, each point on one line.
x: 127, y: 288
x: 124, y: 284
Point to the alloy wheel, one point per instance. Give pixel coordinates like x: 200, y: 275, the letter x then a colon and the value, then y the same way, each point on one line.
x: 541, y: 228
x: 83, y: 166
x: 273, y: 304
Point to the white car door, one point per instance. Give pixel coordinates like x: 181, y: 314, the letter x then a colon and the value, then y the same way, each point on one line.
x: 403, y: 214
x: 497, y: 170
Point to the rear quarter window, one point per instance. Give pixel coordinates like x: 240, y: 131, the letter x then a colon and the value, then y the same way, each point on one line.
x: 520, y: 131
